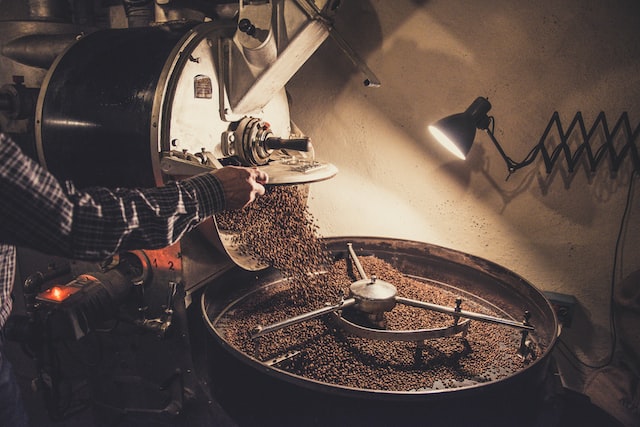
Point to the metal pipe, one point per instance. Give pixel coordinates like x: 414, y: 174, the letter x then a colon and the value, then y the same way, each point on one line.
x: 463, y: 313
x: 38, y: 50
x: 140, y: 13
x: 50, y: 10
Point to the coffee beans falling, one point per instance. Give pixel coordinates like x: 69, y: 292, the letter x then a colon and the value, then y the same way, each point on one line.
x: 279, y: 230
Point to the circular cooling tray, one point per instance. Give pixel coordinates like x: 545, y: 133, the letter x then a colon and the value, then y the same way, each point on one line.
x: 475, y: 278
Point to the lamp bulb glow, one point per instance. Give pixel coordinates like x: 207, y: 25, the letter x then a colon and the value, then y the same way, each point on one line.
x: 446, y: 142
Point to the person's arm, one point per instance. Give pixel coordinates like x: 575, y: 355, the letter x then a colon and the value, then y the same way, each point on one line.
x: 39, y: 212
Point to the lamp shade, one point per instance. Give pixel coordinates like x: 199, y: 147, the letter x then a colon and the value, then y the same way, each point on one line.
x: 457, y: 132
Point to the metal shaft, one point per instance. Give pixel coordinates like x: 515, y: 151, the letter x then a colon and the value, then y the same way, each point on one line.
x: 356, y: 261
x: 312, y: 10
x: 298, y: 144
x: 463, y: 313
x: 262, y: 330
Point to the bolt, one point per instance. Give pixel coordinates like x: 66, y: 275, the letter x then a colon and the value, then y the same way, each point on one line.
x: 246, y: 26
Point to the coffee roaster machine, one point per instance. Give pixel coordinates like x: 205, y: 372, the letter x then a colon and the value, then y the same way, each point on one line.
x: 188, y: 87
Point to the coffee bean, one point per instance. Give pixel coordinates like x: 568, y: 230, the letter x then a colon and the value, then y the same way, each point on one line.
x: 279, y: 230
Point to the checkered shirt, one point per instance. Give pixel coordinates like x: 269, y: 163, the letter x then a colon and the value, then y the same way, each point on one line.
x: 39, y: 212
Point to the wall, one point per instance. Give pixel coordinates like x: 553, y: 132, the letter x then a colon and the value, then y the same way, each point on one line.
x: 530, y: 59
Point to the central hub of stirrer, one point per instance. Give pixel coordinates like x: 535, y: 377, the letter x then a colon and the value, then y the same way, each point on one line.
x: 373, y: 295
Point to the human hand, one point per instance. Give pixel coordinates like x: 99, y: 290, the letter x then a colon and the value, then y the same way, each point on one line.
x: 241, y: 185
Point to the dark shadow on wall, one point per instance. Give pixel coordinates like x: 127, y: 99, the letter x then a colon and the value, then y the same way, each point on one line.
x: 421, y: 82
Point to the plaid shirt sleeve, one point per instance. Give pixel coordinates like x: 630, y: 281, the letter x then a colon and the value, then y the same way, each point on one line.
x: 39, y: 212
x: 7, y: 277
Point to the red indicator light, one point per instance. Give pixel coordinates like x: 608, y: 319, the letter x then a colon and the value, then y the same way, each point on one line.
x: 57, y: 294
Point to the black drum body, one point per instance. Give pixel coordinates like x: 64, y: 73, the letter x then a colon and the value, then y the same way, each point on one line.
x: 99, y: 106
x: 116, y: 101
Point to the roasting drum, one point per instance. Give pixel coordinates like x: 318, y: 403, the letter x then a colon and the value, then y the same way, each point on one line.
x: 116, y: 102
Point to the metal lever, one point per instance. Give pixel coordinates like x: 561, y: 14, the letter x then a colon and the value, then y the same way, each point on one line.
x: 298, y: 144
x: 309, y: 6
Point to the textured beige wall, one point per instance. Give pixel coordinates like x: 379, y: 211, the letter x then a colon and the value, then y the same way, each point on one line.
x: 434, y: 58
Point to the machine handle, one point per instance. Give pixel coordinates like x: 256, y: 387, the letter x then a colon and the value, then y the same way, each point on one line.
x: 298, y: 144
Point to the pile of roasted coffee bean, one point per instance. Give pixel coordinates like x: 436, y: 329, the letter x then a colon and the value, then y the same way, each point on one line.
x: 278, y: 229
x: 323, y: 352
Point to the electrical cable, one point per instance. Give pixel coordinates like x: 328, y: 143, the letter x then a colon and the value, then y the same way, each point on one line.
x: 612, y: 321
x: 616, y: 156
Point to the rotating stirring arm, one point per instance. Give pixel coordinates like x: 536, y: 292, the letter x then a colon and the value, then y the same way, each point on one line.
x: 356, y: 261
x: 373, y: 297
x: 262, y: 330
x: 465, y: 314
x: 456, y: 312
